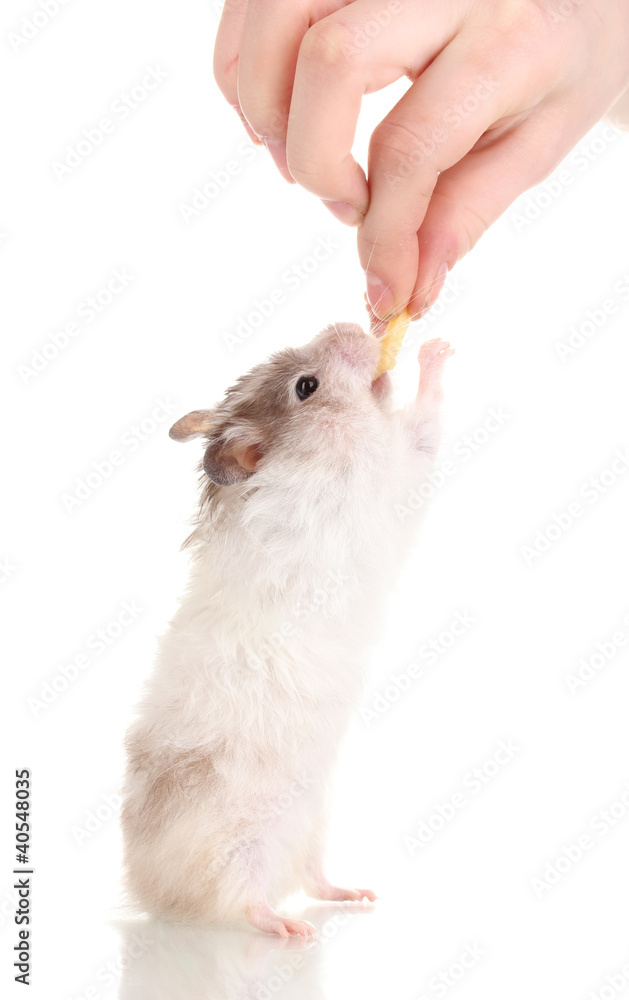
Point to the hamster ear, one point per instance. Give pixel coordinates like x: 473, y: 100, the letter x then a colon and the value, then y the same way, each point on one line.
x: 231, y: 462
x: 195, y: 424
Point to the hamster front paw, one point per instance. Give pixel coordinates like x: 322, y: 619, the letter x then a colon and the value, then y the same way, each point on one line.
x: 434, y: 352
x: 333, y: 894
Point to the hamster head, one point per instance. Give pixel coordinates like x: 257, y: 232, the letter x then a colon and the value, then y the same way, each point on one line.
x: 318, y: 401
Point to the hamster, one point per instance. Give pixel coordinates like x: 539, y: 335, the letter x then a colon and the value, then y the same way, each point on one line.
x: 295, y: 546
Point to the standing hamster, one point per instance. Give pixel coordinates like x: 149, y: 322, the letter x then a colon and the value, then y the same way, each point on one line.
x: 295, y: 545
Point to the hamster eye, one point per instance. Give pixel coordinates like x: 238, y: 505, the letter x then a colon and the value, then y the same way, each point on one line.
x: 306, y: 385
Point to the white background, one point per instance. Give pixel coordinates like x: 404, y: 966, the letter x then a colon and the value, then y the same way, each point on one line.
x: 559, y: 253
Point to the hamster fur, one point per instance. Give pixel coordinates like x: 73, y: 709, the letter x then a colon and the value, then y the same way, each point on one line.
x: 295, y: 546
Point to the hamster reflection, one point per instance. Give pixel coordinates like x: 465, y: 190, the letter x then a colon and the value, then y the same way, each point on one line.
x: 162, y: 961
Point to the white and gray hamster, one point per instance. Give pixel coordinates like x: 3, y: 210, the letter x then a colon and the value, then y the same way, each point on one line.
x: 258, y: 675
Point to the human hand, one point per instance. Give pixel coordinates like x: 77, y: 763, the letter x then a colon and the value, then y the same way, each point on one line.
x: 501, y: 91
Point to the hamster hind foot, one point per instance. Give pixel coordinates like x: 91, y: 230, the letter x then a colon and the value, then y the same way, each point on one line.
x: 261, y: 916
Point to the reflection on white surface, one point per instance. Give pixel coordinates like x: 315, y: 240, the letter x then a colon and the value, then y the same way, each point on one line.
x: 164, y: 961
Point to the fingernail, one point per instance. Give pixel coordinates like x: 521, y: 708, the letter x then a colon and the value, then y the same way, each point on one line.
x: 435, y: 289
x: 344, y: 212
x: 277, y: 149
x: 379, y: 295
x: 256, y: 140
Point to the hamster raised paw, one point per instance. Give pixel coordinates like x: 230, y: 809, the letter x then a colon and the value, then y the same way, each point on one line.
x: 296, y: 543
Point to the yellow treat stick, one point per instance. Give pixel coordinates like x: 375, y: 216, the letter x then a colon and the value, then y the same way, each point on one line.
x: 391, y: 343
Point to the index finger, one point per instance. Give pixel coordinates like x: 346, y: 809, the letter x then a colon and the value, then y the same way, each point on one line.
x: 360, y: 48
x: 437, y: 122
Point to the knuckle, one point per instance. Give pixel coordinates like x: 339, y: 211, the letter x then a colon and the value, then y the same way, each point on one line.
x: 472, y: 227
x: 415, y: 143
x: 527, y: 27
x: 516, y: 18
x: 399, y: 152
x: 531, y: 21
x: 330, y: 43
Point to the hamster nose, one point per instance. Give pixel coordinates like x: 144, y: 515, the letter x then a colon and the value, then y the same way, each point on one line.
x: 360, y: 354
x: 356, y: 350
